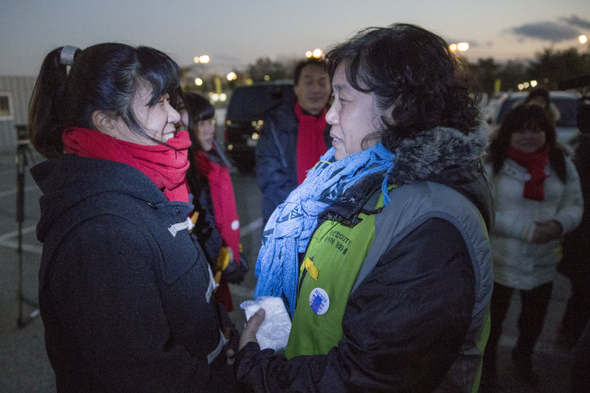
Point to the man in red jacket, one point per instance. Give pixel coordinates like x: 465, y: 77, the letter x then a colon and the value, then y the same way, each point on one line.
x: 294, y: 136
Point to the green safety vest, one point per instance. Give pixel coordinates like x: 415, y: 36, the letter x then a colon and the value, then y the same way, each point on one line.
x: 353, y: 254
x: 331, y: 264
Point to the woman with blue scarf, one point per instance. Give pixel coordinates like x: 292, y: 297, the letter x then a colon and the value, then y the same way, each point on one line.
x: 381, y: 256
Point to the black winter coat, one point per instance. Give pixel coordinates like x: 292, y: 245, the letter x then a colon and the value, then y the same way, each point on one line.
x: 124, y: 299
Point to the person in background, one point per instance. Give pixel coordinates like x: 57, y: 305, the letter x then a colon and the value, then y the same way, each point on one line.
x: 580, y: 377
x: 125, y: 292
x: 540, y: 96
x: 395, y: 277
x: 217, y: 227
x: 293, y: 136
x: 575, y: 263
x: 575, y: 325
x: 537, y: 199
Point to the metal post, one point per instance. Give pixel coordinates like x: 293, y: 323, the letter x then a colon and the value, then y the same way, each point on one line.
x: 22, y: 149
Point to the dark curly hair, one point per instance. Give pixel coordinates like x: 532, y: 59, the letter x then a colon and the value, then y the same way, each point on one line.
x: 413, y: 72
x: 520, y: 118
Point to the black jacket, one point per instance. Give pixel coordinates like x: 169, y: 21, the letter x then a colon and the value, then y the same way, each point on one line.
x: 276, y: 156
x: 576, y: 247
x: 123, y: 298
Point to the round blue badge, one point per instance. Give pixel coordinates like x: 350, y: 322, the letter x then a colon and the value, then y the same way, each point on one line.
x: 319, y: 301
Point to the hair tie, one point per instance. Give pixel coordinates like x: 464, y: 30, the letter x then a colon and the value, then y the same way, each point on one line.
x: 66, y: 56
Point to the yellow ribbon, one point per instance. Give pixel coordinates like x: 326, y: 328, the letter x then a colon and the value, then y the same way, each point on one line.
x: 311, y: 269
x: 223, y: 259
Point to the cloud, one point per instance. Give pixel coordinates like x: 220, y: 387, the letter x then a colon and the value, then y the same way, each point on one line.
x: 546, y: 31
x: 578, y: 22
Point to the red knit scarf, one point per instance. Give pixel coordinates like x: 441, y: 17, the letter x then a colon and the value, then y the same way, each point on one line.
x: 165, y: 166
x: 224, y: 203
x: 310, y: 141
x: 535, y: 166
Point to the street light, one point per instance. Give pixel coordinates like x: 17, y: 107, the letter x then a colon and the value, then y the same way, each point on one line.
x: 461, y: 47
x: 316, y: 54
x: 201, y: 59
x: 583, y: 40
x: 231, y: 76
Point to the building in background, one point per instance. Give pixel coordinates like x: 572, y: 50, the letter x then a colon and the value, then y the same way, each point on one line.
x: 15, y: 93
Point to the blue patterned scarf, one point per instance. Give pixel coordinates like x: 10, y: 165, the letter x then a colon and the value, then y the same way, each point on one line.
x: 291, y: 225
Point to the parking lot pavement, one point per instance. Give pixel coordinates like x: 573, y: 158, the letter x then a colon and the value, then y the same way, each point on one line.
x: 24, y: 366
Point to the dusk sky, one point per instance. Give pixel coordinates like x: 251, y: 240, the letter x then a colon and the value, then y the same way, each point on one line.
x: 236, y: 33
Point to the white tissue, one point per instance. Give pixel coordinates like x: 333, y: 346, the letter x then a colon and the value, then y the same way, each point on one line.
x: 274, y: 331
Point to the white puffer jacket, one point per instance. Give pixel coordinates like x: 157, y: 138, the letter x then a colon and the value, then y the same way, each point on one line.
x: 518, y: 263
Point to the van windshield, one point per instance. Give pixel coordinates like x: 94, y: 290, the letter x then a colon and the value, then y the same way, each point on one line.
x: 250, y: 102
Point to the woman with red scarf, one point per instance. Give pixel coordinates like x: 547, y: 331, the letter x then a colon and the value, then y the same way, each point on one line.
x: 537, y: 199
x: 218, y: 226
x: 125, y: 291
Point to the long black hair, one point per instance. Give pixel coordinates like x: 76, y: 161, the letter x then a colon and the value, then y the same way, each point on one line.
x: 198, y: 109
x: 103, y: 77
x: 413, y: 72
x: 527, y: 117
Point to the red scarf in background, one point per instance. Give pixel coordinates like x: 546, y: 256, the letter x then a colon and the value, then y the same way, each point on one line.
x: 226, y: 214
x: 164, y: 165
x: 535, y: 166
x: 224, y: 202
x: 310, y: 141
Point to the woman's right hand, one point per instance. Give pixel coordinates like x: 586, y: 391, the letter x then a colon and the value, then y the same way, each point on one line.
x: 252, y: 326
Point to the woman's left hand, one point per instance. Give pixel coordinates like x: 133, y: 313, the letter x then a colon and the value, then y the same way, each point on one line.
x: 249, y: 333
x: 546, y: 231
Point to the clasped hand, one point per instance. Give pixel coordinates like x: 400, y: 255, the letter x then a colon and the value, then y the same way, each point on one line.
x: 546, y: 231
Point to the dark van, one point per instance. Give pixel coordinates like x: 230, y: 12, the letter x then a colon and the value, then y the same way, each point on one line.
x: 244, y: 119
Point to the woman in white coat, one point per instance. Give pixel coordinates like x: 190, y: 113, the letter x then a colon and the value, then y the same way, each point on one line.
x: 537, y: 199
